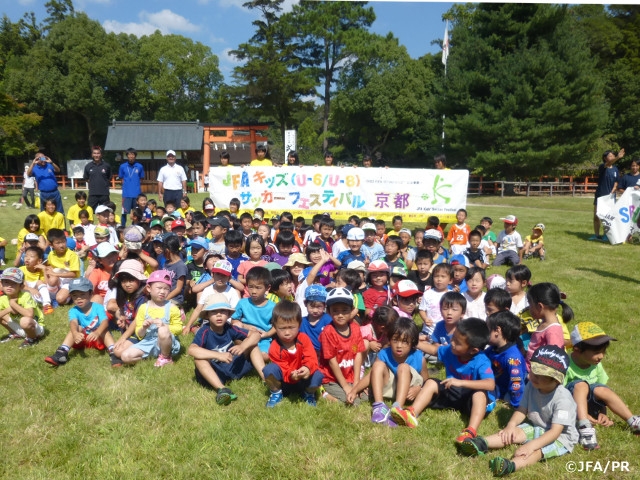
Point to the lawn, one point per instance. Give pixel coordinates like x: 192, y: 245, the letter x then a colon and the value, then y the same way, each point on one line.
x: 87, y: 420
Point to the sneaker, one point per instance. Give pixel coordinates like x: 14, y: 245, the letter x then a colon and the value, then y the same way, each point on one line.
x: 47, y: 309
x: 54, y: 303
x: 501, y: 466
x: 588, y: 439
x: 59, y: 358
x: 115, y: 361
x: 635, y: 424
x: 542, y: 258
x: 29, y: 342
x: 225, y: 396
x: 310, y: 398
x: 162, y: 361
x: 274, y: 399
x: 2, y: 264
x: 465, y: 434
x: 391, y: 423
x: 404, y: 416
x: 8, y: 338
x: 380, y: 413
x: 594, y: 238
x: 473, y: 447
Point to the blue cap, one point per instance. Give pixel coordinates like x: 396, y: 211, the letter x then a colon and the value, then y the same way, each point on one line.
x: 346, y: 228
x: 199, y: 242
x: 71, y: 243
x: 80, y: 284
x: 315, y: 293
x: 459, y: 260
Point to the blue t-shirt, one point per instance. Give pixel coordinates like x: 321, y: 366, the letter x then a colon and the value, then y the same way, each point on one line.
x: 413, y: 360
x: 463, y: 286
x: 90, y: 321
x: 508, y: 366
x: 219, y: 342
x: 177, y: 269
x: 314, y: 331
x: 259, y: 317
x: 440, y: 334
x: 606, y: 178
x: 348, y: 256
x: 45, y: 176
x: 374, y: 252
x: 629, y: 181
x: 478, y: 368
x: 235, y: 263
x: 131, y: 176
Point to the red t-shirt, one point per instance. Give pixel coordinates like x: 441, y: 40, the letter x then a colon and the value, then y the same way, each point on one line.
x: 100, y: 280
x: 375, y: 298
x: 288, y: 361
x: 344, y: 349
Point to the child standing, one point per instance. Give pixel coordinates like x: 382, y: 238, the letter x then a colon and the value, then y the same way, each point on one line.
x: 506, y: 354
x: 544, y: 300
x: 158, y: 322
x: 88, y: 326
x: 294, y: 366
x: 342, y: 347
x: 19, y: 312
x: 550, y: 413
x: 458, y: 236
x: 74, y: 210
x: 474, y: 294
x: 587, y: 380
x: 518, y: 281
x: 220, y: 351
x: 509, y: 243
x: 469, y: 385
x: 399, y: 371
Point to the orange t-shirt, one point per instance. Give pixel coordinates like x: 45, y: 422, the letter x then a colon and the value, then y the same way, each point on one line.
x: 458, y: 235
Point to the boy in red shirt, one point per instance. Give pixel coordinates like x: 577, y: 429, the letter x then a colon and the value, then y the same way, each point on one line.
x: 458, y: 236
x: 294, y: 364
x: 342, y: 348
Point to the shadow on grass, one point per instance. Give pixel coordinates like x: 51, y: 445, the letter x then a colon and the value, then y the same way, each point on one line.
x: 582, y: 236
x: 603, y: 273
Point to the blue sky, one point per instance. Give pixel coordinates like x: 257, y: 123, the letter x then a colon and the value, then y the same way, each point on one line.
x: 224, y: 24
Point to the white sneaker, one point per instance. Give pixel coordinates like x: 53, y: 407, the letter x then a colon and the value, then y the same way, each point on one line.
x: 635, y: 424
x: 588, y: 438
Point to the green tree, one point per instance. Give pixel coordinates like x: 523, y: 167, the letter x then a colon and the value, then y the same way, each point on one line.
x: 16, y: 127
x: 323, y: 32
x: 270, y: 80
x: 383, y: 100
x: 522, y: 93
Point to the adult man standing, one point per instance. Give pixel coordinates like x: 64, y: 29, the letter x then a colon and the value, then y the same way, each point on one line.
x: 172, y: 181
x: 98, y: 175
x: 131, y: 173
x: 45, y: 171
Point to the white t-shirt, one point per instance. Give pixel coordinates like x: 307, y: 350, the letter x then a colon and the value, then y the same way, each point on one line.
x: 29, y: 182
x: 512, y: 241
x: 475, y: 308
x: 172, y: 177
x: 233, y: 297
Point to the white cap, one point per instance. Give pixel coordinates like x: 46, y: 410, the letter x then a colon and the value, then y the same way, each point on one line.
x: 171, y: 152
x: 103, y: 208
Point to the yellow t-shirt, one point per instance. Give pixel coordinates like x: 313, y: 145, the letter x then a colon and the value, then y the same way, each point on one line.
x: 183, y: 213
x: 74, y: 211
x: 23, y: 233
x: 69, y: 261
x: 36, y: 276
x: 261, y: 163
x: 24, y: 300
x: 175, y: 322
x: 47, y: 222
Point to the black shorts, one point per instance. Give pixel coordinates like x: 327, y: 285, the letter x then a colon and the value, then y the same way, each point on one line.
x: 454, y: 398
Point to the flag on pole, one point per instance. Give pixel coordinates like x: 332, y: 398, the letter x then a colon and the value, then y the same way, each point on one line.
x: 445, y: 44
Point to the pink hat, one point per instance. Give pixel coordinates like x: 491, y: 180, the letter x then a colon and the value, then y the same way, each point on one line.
x: 133, y: 268
x: 162, y: 276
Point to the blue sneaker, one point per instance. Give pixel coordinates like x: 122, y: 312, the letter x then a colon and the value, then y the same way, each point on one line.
x: 310, y: 398
x: 274, y: 399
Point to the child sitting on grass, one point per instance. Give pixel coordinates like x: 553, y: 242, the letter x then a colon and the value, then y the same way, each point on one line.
x: 586, y: 380
x: 158, y: 323
x: 220, y: 351
x: 63, y: 266
x: 534, y: 244
x: 469, y: 385
x: 506, y: 354
x: 342, y: 348
x: 294, y: 366
x: 550, y: 413
x: 474, y: 294
x: 315, y: 298
x: 88, y: 325
x: 19, y: 312
x: 35, y: 278
x: 399, y: 371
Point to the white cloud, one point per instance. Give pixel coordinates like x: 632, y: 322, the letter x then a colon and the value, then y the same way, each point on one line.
x: 226, y: 57
x: 166, y: 21
x: 214, y: 39
x: 25, y: 3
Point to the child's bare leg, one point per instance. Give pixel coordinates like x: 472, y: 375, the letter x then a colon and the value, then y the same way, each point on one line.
x: 28, y: 324
x: 478, y: 409
x: 97, y: 299
x: 117, y: 351
x: 495, y: 440
x: 580, y: 394
x: 208, y: 373
x: 108, y: 339
x: 62, y: 297
x: 131, y: 355
x: 257, y: 360
x: 403, y: 380
x: 427, y: 392
x: 379, y: 378
x: 522, y: 462
x: 613, y: 401
x: 4, y: 321
x: 164, y: 340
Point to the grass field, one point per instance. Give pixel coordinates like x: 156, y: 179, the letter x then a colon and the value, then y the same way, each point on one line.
x: 87, y: 420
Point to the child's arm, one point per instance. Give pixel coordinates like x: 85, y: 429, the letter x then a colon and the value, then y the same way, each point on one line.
x: 144, y: 256
x: 360, y: 386
x: 75, y: 330
x: 337, y: 373
x: 546, y: 438
x: 192, y: 318
x: 247, y: 344
x: 19, y: 309
x: 127, y: 333
x: 487, y: 384
x: 200, y: 353
x: 199, y: 287
x: 509, y: 433
x: 428, y: 347
x: 178, y: 290
x: 236, y: 284
x: 316, y: 268
x: 242, y: 281
x: 100, y: 331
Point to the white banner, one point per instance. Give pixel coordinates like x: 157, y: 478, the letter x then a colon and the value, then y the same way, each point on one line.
x: 290, y: 143
x: 620, y: 219
x: 343, y: 191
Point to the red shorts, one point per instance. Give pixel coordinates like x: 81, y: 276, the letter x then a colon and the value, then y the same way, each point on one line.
x: 96, y: 344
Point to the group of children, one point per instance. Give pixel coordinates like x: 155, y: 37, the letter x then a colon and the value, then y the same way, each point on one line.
x: 327, y: 312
